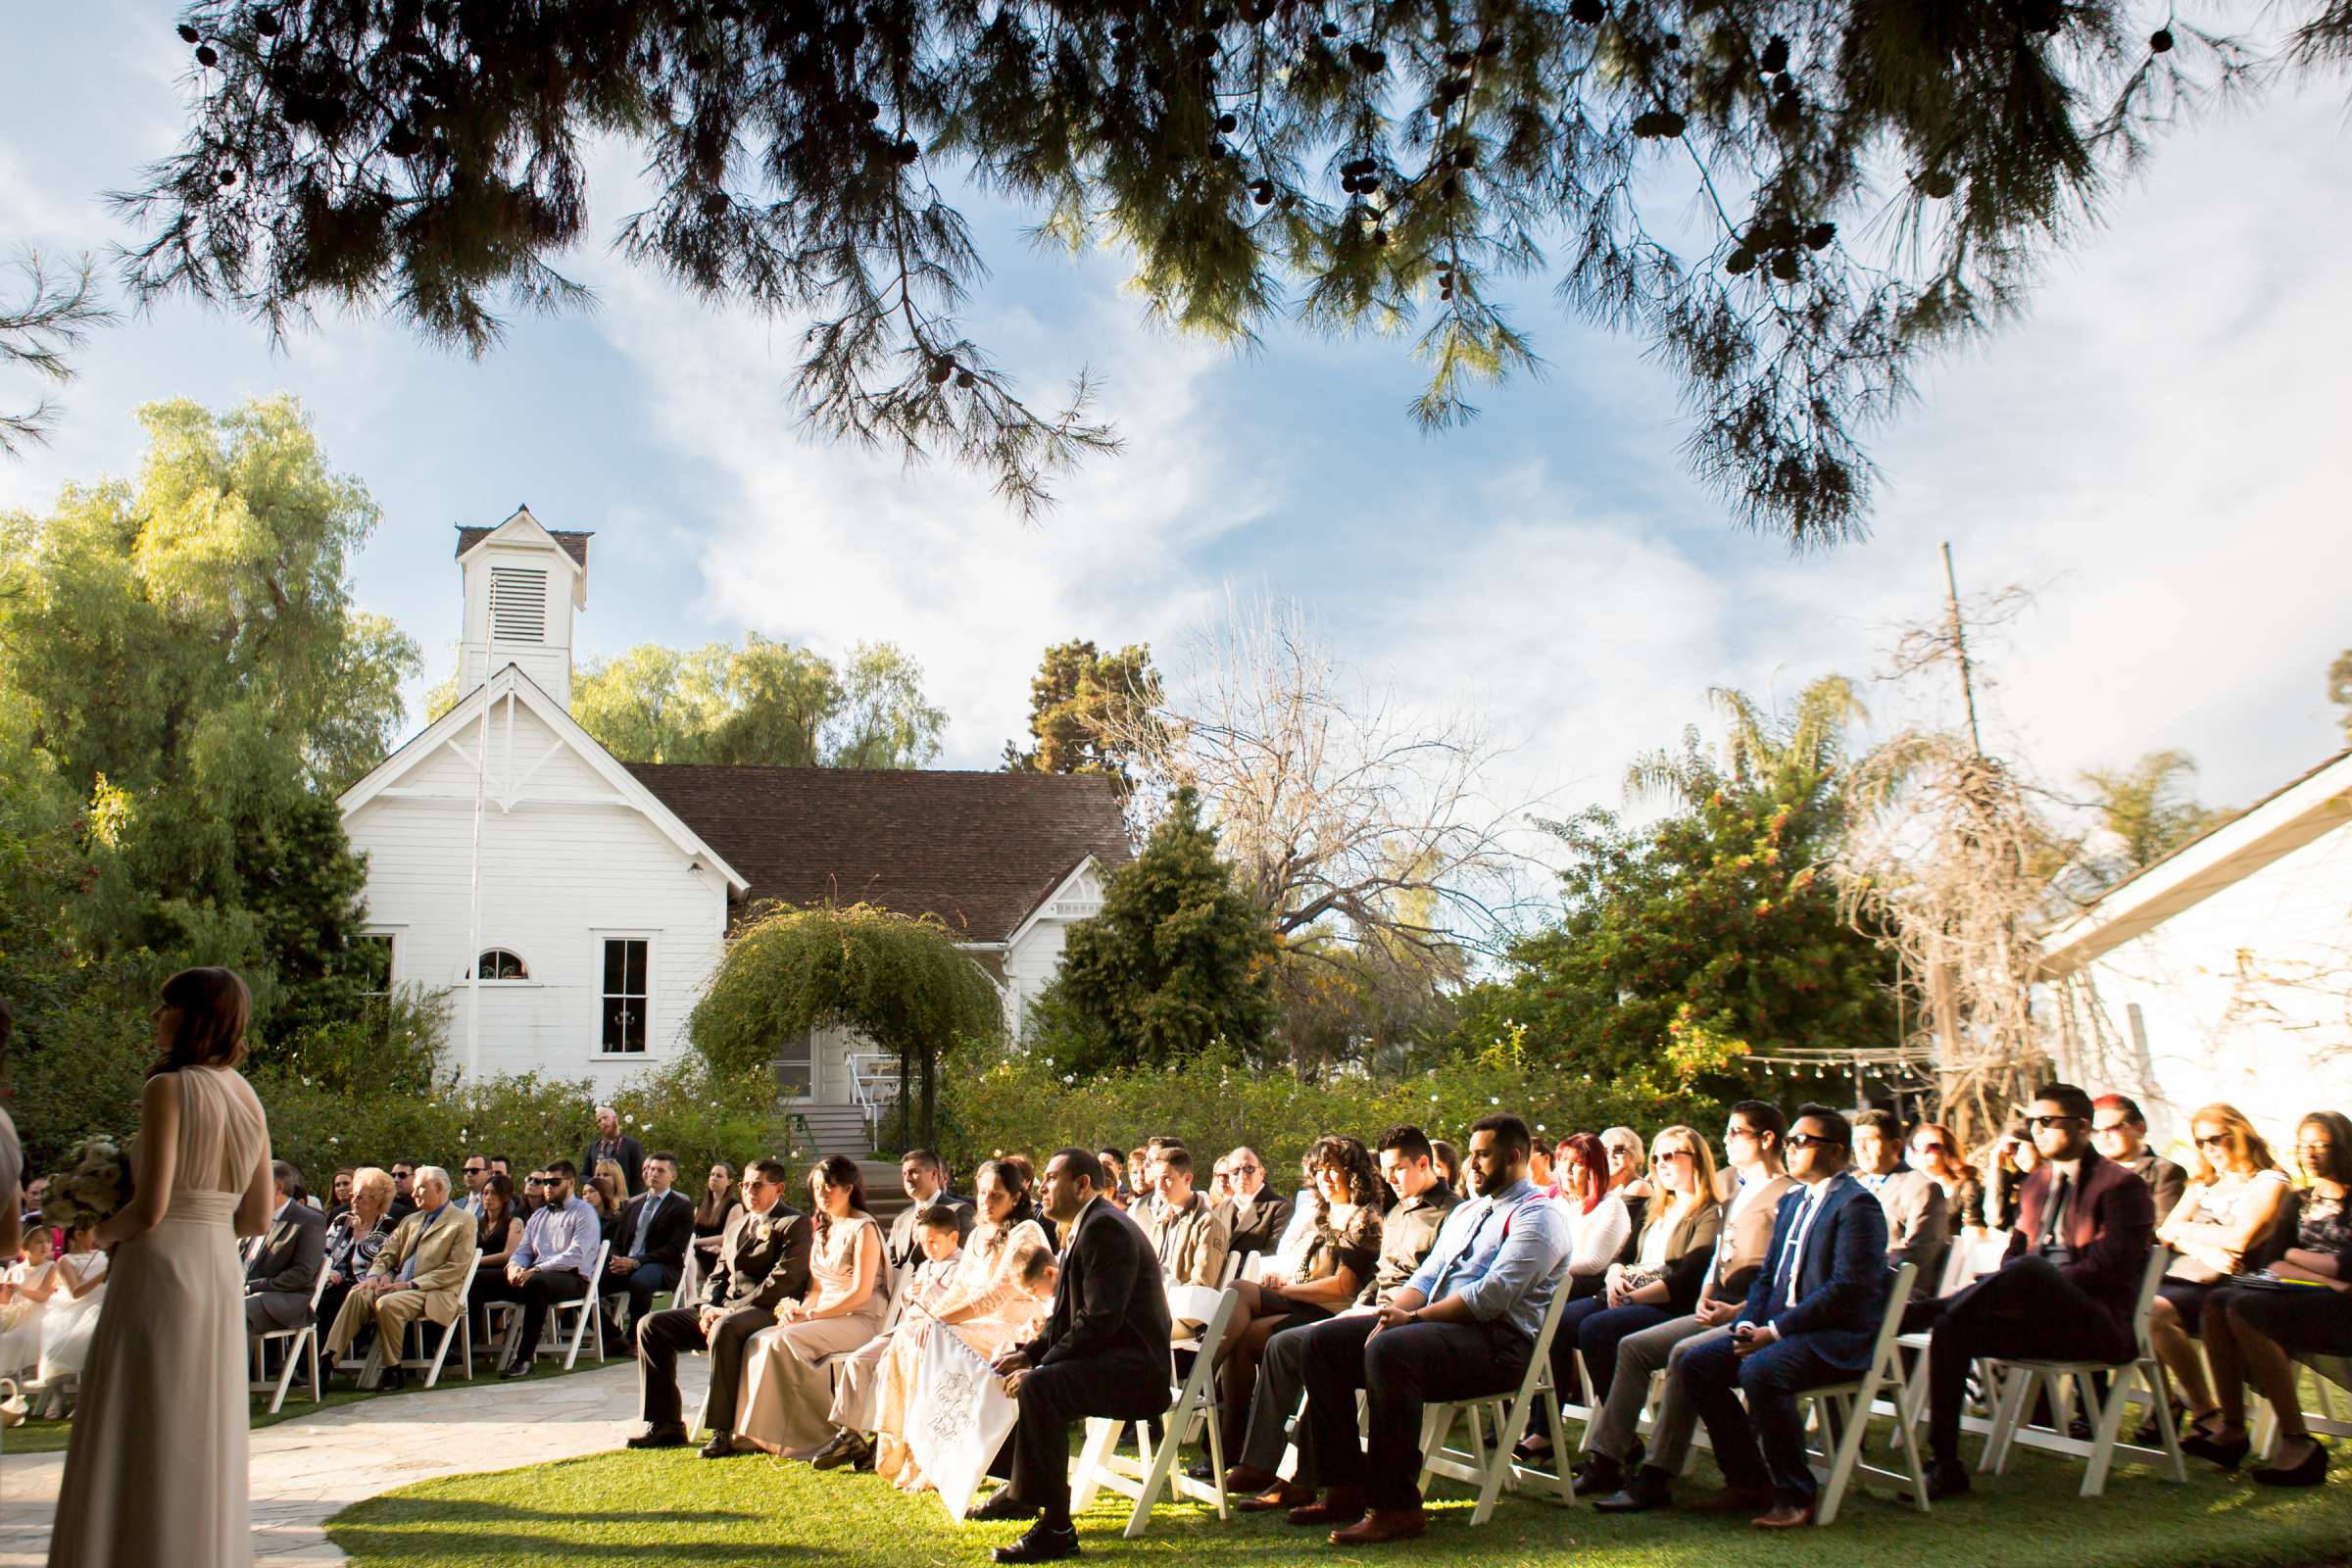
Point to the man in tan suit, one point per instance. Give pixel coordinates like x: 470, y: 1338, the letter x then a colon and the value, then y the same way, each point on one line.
x: 415, y: 1276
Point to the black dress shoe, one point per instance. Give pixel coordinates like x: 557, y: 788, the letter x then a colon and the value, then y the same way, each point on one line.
x: 721, y: 1447
x: 514, y: 1369
x: 1650, y: 1487
x: 1046, y: 1542
x: 2309, y: 1473
x: 1003, y: 1506
x: 1945, y: 1481
x: 672, y: 1436
x: 393, y: 1381
x: 1599, y: 1478
x: 2229, y: 1455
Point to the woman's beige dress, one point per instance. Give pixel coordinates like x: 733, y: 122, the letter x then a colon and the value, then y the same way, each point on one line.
x: 786, y: 1395
x: 989, y: 1279
x: 155, y: 1469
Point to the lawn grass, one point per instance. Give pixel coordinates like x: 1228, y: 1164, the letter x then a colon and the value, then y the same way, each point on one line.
x: 49, y: 1437
x: 671, y: 1509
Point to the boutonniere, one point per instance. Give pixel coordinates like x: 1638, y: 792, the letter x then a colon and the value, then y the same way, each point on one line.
x: 763, y: 1228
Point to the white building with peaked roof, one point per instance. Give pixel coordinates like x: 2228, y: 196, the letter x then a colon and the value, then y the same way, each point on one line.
x: 577, y: 906
x: 2223, y: 971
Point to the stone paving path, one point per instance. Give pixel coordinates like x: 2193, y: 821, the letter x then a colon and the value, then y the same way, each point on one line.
x: 307, y: 1469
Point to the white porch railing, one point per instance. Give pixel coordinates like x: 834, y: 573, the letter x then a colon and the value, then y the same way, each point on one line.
x: 873, y: 1085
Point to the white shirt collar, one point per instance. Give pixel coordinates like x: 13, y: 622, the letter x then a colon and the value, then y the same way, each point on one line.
x: 2069, y: 1169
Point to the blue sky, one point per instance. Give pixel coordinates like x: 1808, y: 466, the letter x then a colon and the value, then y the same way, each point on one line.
x: 2157, y: 451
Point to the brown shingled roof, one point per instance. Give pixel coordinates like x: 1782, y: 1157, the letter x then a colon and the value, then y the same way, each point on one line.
x: 573, y: 541
x: 980, y: 850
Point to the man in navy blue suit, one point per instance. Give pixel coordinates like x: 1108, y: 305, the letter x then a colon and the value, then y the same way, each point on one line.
x: 1811, y: 1318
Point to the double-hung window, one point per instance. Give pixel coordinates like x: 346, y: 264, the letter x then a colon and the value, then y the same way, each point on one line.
x: 625, y: 1004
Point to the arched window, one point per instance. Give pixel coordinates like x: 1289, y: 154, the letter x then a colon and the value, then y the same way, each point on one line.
x: 497, y: 963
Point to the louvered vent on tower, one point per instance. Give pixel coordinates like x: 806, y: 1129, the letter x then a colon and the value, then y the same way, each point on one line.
x: 517, y: 605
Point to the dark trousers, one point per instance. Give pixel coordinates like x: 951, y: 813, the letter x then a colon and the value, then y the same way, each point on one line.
x: 1597, y: 1337
x: 1400, y: 1371
x: 641, y: 1285
x: 661, y: 1336
x: 1763, y: 1444
x: 537, y: 1294
x: 2027, y: 1309
x: 1053, y: 1396
x: 1563, y: 1346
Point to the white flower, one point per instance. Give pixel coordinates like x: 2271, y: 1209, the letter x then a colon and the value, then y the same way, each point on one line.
x: 333, y: 1139
x: 647, y: 1128
x: 1493, y: 1100
x: 631, y: 1118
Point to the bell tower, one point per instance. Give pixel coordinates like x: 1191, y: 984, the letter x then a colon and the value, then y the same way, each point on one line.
x: 523, y: 584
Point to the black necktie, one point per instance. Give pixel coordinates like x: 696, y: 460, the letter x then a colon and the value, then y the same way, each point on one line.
x: 2058, y: 1201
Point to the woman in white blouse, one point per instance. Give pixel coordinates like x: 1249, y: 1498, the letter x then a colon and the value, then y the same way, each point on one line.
x: 2233, y: 1204
x: 1598, y: 1222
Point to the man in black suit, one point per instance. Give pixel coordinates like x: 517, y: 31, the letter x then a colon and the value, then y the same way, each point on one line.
x: 610, y: 1142
x: 281, y: 1265
x: 763, y: 1258
x: 1103, y: 1352
x: 404, y: 1195
x: 649, y: 1243
x: 1255, y: 1213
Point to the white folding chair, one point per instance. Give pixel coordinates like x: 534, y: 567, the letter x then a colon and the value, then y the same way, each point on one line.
x: 1492, y: 1469
x: 2330, y: 1377
x: 460, y: 1327
x: 300, y: 1340
x: 1193, y: 1404
x: 1964, y: 1263
x: 1841, y: 1414
x: 552, y: 1339
x: 2013, y: 1385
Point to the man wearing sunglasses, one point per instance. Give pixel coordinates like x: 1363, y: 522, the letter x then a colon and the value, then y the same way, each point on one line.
x: 2119, y: 1132
x: 476, y: 1170
x: 2070, y: 1284
x: 1812, y: 1317
x: 1256, y: 1216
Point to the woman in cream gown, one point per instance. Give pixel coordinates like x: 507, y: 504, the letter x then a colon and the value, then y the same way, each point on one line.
x: 155, y: 1468
x: 984, y: 1305
x: 786, y: 1393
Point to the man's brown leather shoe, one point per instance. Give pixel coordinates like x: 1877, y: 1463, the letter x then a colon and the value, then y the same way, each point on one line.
x: 1734, y: 1499
x: 1244, y: 1478
x: 1383, y: 1525
x: 1282, y: 1496
x: 1783, y: 1516
x: 1340, y: 1505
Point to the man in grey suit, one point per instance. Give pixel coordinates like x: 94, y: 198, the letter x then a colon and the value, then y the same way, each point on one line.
x: 1916, y: 1228
x: 281, y: 1265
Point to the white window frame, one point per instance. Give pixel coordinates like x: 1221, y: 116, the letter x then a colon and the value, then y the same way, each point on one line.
x: 394, y: 938
x: 472, y: 975
x: 653, y: 1016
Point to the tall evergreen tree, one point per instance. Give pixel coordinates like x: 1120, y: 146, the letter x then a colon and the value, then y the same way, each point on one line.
x: 1691, y: 172
x: 1085, y: 706
x: 1178, y: 959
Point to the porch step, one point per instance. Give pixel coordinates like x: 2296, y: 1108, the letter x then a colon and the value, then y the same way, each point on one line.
x: 836, y: 1129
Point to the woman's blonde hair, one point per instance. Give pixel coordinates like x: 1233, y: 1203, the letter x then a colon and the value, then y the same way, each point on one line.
x: 1702, y: 1162
x: 372, y: 1178
x: 2249, y: 1150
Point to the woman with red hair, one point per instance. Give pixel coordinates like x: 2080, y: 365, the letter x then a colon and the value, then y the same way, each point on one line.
x: 1597, y: 1218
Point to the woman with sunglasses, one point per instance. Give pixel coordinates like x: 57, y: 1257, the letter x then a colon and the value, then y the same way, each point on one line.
x: 2234, y: 1199
x: 2304, y: 1304
x: 1936, y: 1153
x: 1684, y: 1217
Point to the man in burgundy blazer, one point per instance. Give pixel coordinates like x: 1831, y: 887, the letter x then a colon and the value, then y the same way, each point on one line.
x: 2085, y: 1226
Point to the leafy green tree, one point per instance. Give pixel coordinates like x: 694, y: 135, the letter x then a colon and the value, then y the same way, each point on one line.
x: 883, y: 719
x: 1688, y: 172
x: 765, y: 702
x: 1086, y: 710
x: 182, y: 655
x: 1713, y: 933
x: 2147, y: 811
x: 899, y: 980
x: 1178, y: 960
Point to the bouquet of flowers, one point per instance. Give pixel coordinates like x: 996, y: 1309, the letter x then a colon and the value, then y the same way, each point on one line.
x: 92, y: 1187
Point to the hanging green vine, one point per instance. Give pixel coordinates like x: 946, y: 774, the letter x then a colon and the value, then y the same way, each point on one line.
x: 899, y: 980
